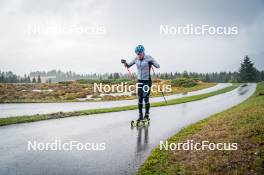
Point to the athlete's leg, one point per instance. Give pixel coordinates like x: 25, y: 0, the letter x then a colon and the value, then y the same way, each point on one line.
x: 140, y: 106
x: 147, y: 105
x: 140, y: 101
x: 146, y: 99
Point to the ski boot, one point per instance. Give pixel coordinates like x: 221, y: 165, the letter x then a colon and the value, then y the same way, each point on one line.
x: 140, y: 119
x: 146, y: 117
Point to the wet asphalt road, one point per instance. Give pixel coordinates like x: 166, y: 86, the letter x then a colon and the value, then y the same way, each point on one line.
x: 16, y: 109
x: 126, y: 148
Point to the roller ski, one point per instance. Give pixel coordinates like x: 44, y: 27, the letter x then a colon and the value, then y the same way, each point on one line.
x: 141, y: 122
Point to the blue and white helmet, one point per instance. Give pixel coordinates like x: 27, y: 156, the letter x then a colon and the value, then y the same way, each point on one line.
x: 139, y: 49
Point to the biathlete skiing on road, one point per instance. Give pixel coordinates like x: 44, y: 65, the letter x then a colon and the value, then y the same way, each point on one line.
x: 144, y: 63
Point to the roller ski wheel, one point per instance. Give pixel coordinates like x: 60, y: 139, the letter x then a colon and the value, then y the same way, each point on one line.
x: 140, y: 123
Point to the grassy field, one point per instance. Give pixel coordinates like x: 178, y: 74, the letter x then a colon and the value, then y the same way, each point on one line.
x: 33, y: 118
x: 242, y: 124
x: 73, y: 91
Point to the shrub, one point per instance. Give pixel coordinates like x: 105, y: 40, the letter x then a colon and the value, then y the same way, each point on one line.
x: 184, y: 82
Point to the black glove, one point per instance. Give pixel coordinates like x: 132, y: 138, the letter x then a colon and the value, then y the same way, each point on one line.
x: 123, y: 61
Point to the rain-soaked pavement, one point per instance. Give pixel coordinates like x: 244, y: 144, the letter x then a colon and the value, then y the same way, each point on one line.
x: 16, y: 109
x: 126, y: 148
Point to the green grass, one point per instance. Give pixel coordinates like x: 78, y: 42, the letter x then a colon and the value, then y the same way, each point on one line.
x: 242, y: 124
x: 33, y: 118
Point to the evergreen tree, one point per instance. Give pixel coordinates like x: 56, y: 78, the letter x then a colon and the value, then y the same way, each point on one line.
x: 207, y: 78
x: 262, y: 75
x: 28, y: 79
x: 110, y: 76
x: 185, y: 74
x: 2, y: 77
x: 39, y: 79
x: 34, y: 80
x: 247, y: 71
x: 116, y: 75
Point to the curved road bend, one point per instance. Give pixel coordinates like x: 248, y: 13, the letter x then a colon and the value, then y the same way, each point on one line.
x: 126, y: 148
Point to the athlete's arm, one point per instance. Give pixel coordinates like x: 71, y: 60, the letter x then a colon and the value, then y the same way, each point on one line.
x: 131, y: 63
x: 154, y: 62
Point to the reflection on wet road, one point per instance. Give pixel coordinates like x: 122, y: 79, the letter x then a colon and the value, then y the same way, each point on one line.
x: 142, y: 138
x: 126, y: 148
x: 16, y: 109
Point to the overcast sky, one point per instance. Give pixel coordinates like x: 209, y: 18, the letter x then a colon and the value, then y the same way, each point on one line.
x: 117, y: 26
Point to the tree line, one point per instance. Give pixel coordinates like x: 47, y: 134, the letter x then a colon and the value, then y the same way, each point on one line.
x: 246, y: 73
x: 10, y: 77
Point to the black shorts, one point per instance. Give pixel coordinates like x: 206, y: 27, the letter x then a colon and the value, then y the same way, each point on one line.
x: 144, y: 88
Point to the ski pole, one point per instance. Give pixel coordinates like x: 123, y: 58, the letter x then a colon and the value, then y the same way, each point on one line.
x: 164, y: 97
x: 153, y: 70
x: 129, y: 72
x: 161, y: 91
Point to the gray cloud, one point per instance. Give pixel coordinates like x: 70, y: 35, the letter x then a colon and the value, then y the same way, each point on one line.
x: 128, y: 23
